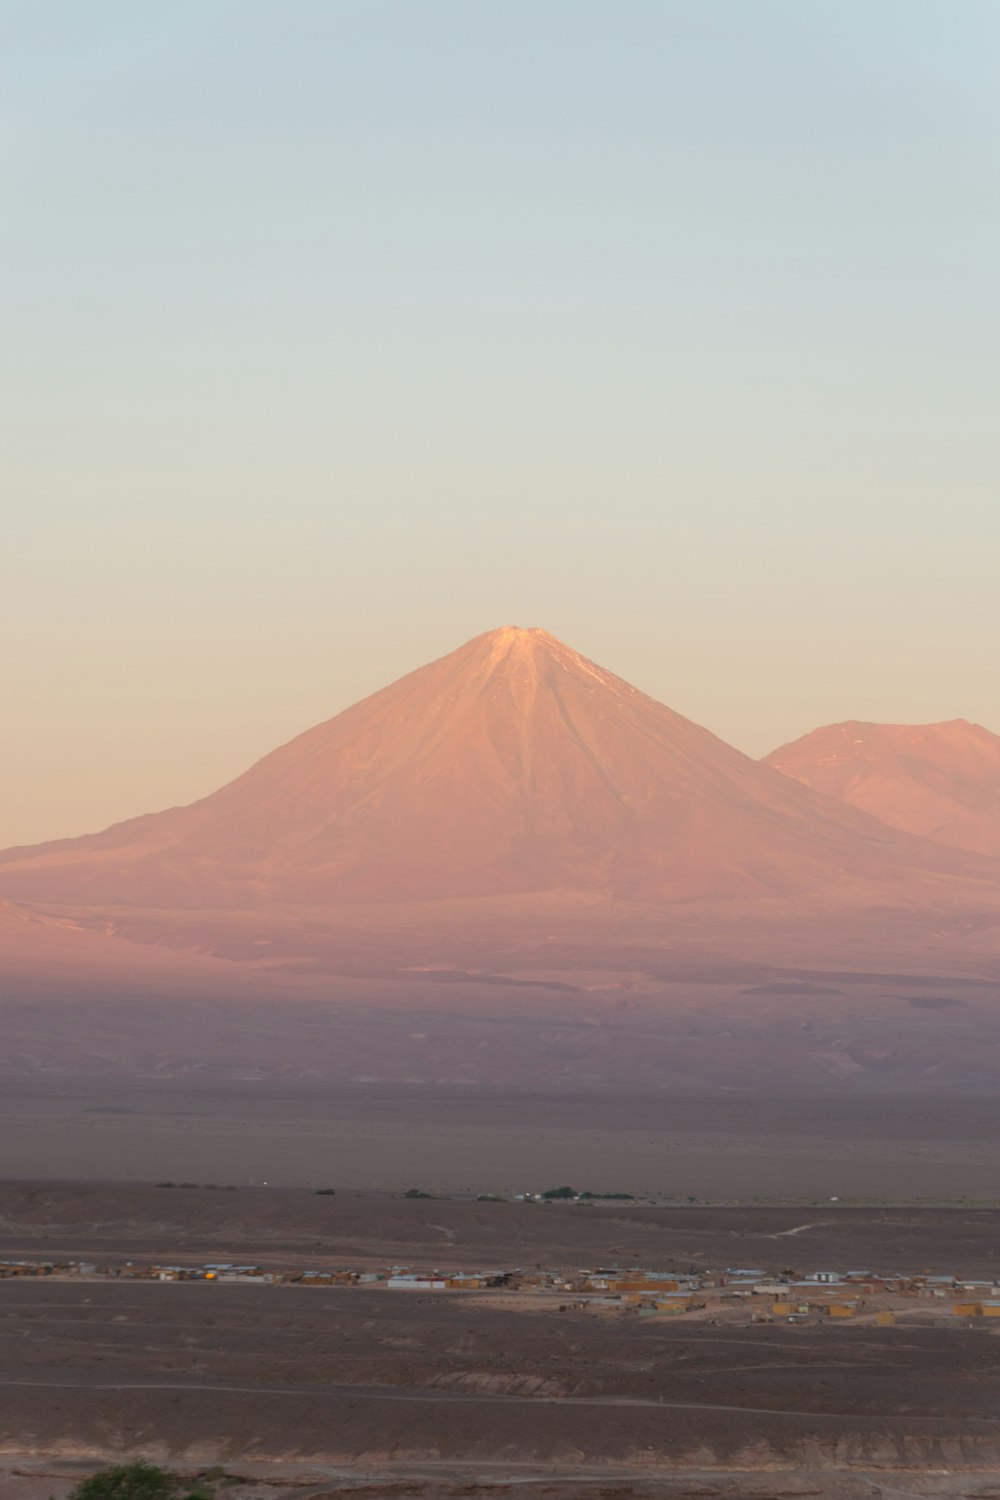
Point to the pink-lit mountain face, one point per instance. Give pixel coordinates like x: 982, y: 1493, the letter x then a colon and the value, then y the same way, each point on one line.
x: 513, y: 765
x: 941, y: 781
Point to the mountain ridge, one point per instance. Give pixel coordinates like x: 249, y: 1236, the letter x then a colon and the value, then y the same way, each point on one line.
x: 513, y: 764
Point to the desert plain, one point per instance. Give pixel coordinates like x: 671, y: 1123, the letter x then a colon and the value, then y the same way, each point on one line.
x: 368, y: 1391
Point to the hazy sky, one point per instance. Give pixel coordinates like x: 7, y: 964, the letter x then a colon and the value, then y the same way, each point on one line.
x: 335, y: 332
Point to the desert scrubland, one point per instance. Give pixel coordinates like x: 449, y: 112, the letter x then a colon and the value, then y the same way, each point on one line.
x: 366, y: 1390
x: 340, y: 1390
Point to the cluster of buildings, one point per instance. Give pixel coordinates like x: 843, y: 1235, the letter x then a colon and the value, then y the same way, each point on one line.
x: 9, y: 1268
x: 751, y: 1290
x: 765, y: 1297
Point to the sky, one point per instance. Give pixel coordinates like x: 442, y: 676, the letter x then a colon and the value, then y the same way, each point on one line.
x: 335, y: 332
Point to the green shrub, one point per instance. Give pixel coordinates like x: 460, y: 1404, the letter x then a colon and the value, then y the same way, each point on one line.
x: 139, y: 1481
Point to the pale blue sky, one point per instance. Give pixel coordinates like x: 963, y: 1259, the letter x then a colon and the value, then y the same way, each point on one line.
x: 335, y: 333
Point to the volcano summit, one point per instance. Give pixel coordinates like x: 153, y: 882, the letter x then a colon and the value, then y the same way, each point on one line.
x: 512, y: 765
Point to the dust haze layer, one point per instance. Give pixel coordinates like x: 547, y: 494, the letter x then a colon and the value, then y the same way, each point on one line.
x: 512, y: 765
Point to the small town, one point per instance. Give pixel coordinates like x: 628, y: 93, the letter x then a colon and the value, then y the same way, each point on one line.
x: 731, y: 1295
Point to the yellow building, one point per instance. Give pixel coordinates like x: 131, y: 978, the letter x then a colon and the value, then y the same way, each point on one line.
x: 672, y: 1304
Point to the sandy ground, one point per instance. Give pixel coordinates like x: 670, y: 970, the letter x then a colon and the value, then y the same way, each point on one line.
x: 275, y: 1226
x: 383, y: 1384
x: 334, y: 1392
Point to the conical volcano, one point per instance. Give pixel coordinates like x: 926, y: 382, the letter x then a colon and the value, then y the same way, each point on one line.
x: 512, y: 765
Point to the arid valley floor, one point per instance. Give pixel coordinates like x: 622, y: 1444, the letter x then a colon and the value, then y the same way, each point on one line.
x: 343, y: 1390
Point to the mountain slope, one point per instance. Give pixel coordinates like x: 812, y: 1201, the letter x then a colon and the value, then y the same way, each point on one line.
x: 511, y: 765
x: 940, y: 781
